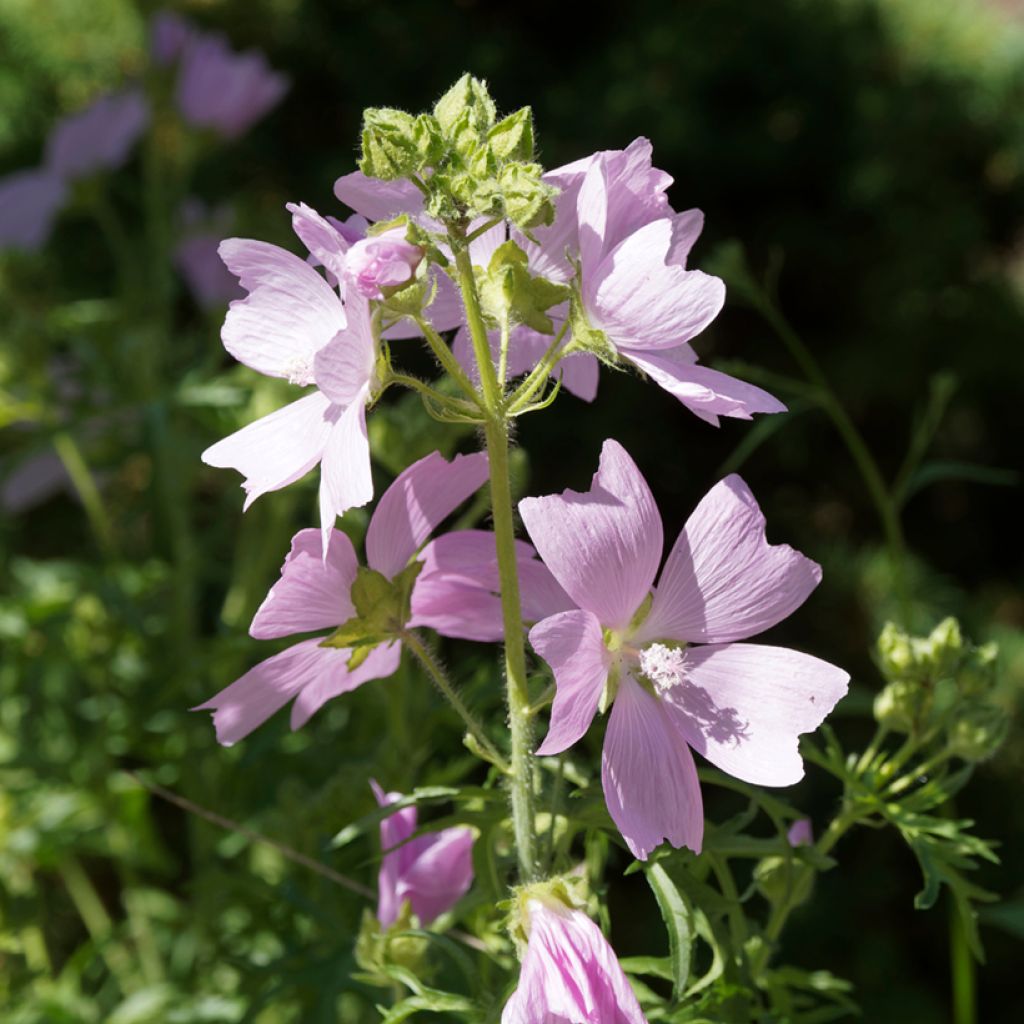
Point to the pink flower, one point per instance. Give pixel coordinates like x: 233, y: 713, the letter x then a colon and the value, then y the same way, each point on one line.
x: 99, y: 138
x: 570, y: 974
x: 740, y: 705
x: 222, y: 90
x: 381, y: 261
x: 314, y: 594
x: 169, y: 34
x: 197, y: 259
x: 800, y: 833
x: 29, y: 204
x: 432, y: 872
x: 292, y: 325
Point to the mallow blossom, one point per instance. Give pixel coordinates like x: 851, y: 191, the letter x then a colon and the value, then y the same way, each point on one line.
x: 294, y: 326
x: 431, y: 872
x: 570, y: 974
x: 740, y: 705
x: 98, y: 138
x: 381, y: 261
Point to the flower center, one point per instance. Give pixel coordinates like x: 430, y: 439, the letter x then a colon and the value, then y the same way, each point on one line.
x: 299, y: 370
x: 664, y: 666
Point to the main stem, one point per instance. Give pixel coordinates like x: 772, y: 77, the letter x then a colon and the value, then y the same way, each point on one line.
x: 496, y: 432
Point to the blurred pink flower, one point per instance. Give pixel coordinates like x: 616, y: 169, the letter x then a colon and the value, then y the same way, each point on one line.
x: 432, y: 872
x: 169, y: 33
x: 197, y: 258
x: 800, y: 833
x: 740, y: 705
x: 223, y: 90
x: 29, y: 204
x: 570, y: 974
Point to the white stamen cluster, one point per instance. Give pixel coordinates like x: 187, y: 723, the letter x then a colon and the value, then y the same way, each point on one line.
x: 299, y: 370
x: 662, y: 665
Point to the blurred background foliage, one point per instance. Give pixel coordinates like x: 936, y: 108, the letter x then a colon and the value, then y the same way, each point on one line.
x: 868, y: 156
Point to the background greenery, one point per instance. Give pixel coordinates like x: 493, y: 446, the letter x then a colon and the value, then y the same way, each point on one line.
x: 870, y: 155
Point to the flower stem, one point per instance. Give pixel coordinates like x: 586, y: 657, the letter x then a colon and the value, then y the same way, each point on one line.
x: 426, y: 658
x: 496, y: 432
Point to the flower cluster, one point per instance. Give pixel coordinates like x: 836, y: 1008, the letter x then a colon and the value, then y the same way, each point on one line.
x: 540, y: 278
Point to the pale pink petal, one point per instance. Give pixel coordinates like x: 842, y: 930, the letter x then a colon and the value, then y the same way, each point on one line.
x: 394, y: 830
x: 572, y: 643
x: 642, y: 302
x: 650, y: 780
x: 416, y: 503
x: 705, y: 392
x: 686, y: 229
x: 345, y: 479
x: 382, y: 662
x: 323, y: 240
x: 457, y: 593
x: 570, y: 974
x: 743, y: 706
x: 265, y: 689
x: 29, y: 204
x: 345, y: 367
x: 290, y: 312
x: 603, y: 545
x: 723, y: 581
x: 277, y: 449
x: 439, y: 875
x: 313, y: 592
x: 378, y: 200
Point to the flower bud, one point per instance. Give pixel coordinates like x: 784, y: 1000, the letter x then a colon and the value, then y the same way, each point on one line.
x: 784, y: 880
x: 466, y: 104
x: 895, y: 651
x: 899, y: 706
x: 944, y: 647
x: 381, y: 261
x: 393, y: 144
x: 977, y: 674
x: 977, y: 730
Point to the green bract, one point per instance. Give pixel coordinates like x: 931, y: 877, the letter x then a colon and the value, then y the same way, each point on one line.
x: 509, y: 290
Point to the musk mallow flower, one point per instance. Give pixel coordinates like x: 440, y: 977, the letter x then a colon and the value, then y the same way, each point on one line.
x: 569, y: 974
x: 294, y: 326
x: 381, y: 261
x: 740, y: 705
x: 314, y: 594
x: 431, y: 872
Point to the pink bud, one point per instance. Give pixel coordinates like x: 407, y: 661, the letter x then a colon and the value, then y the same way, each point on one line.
x: 381, y: 261
x: 800, y: 833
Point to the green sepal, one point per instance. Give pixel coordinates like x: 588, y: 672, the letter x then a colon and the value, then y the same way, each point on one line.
x: 507, y: 289
x: 512, y: 137
x: 391, y: 148
x: 589, y: 339
x: 467, y: 101
x: 529, y: 202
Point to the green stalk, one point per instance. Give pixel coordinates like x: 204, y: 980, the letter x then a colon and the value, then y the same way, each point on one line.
x: 77, y: 469
x: 496, y: 432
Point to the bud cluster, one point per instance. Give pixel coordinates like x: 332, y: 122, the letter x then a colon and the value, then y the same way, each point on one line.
x: 941, y: 682
x: 468, y: 162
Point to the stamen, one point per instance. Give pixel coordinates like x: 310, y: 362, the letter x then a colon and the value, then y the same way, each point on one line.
x: 664, y: 666
x: 299, y: 370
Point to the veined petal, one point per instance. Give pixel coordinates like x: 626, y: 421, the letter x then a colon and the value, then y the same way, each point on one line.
x: 743, y: 706
x: 705, y: 392
x: 277, y: 449
x: 686, y: 229
x: 249, y: 701
x: 313, y: 592
x: 603, y: 545
x: 642, y: 302
x: 415, y: 505
x: 290, y: 312
x: 345, y: 479
x: 382, y: 662
x: 723, y: 581
x: 572, y: 643
x: 378, y: 200
x: 345, y: 366
x: 650, y: 780
x: 323, y: 240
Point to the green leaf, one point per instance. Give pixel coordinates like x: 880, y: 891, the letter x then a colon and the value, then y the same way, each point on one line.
x: 677, y: 914
x: 423, y: 795
x: 937, y: 471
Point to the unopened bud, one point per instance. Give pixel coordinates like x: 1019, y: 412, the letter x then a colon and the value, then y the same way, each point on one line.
x: 381, y: 261
x: 392, y: 144
x: 977, y: 674
x: 977, y: 730
x: 945, y: 646
x: 784, y: 880
x: 895, y: 652
x: 900, y: 705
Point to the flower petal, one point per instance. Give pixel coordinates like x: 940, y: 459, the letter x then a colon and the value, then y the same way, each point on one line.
x: 323, y: 240
x: 277, y: 449
x: 394, y: 829
x: 650, y: 780
x: 686, y: 229
x: 344, y: 367
x: 345, y: 478
x: 416, y: 503
x: 457, y: 593
x: 572, y: 643
x: 603, y: 545
x: 705, y: 392
x: 378, y: 200
x: 440, y: 875
x: 743, y: 706
x: 382, y: 662
x: 99, y: 138
x: 290, y: 312
x: 313, y: 592
x: 642, y: 302
x: 723, y: 581
x: 29, y: 203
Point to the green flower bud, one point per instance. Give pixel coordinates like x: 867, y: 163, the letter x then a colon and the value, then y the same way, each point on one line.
x: 945, y: 695
x: 512, y: 137
x: 377, y: 947
x: 466, y: 105
x: 784, y: 880
x: 895, y: 652
x: 528, y: 201
x: 392, y: 144
x: 977, y: 674
x: 945, y: 646
x: 977, y: 730
x: 901, y: 704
